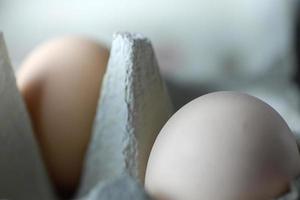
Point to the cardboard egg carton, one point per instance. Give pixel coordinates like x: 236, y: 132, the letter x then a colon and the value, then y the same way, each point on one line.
x: 123, y: 187
x: 22, y: 173
x: 133, y: 107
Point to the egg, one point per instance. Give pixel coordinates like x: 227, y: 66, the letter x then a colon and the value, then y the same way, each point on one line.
x: 223, y: 146
x: 60, y: 82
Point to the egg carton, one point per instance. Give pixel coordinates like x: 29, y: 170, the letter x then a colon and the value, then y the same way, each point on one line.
x: 123, y: 187
x: 133, y: 107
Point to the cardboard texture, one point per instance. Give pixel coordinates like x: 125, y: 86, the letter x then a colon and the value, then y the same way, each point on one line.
x: 22, y: 173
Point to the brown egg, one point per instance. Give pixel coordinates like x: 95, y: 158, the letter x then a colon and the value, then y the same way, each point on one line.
x: 60, y: 82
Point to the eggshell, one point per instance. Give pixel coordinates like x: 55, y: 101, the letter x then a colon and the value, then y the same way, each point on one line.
x: 224, y: 145
x: 60, y: 82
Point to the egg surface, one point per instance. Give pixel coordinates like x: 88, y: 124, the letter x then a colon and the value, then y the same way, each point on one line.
x: 60, y: 82
x: 223, y: 146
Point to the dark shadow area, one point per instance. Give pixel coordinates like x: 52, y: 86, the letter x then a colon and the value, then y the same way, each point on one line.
x: 297, y: 46
x: 182, y: 94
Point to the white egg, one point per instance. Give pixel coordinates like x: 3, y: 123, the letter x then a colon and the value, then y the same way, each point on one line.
x: 223, y: 146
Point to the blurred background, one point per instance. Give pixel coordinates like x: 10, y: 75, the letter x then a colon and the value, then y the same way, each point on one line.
x: 201, y: 45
